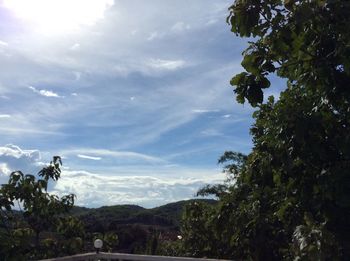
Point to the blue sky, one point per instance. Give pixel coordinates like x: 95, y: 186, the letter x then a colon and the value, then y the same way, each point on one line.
x: 135, y: 98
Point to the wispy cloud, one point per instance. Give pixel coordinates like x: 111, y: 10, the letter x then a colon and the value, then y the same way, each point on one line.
x: 166, y: 64
x: 45, y: 93
x: 211, y: 133
x: 75, y: 47
x: 4, y: 116
x: 153, y: 36
x: 88, y: 157
x: 17, y: 131
x: 204, y: 110
x: 180, y: 26
x: 96, y: 154
x: 77, y: 75
x: 2, y: 43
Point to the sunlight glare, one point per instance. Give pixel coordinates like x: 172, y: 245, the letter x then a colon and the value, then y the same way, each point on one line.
x: 58, y: 16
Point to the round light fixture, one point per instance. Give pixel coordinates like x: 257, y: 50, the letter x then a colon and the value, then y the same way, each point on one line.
x: 98, y: 243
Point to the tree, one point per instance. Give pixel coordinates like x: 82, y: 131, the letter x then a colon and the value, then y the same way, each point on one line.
x: 38, y: 212
x: 291, y: 196
x: 305, y: 42
x: 198, y: 235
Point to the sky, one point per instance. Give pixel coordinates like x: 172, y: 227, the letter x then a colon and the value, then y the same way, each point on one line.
x: 133, y: 95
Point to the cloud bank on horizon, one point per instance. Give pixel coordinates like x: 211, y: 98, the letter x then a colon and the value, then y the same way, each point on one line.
x: 136, y: 101
x: 148, y: 186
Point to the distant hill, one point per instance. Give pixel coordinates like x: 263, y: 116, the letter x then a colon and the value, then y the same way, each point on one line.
x: 134, y: 225
x: 109, y: 217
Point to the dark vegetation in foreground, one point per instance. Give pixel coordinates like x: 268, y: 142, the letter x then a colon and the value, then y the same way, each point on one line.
x: 136, y: 226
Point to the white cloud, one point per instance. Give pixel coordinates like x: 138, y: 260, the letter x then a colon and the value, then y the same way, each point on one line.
x: 18, y: 131
x: 45, y: 93
x: 48, y: 93
x: 77, y: 75
x: 122, y: 155
x: 2, y: 43
x: 166, y: 64
x: 203, y: 110
x: 14, y: 151
x: 147, y: 187
x: 14, y: 158
x: 211, y: 133
x: 226, y: 116
x: 88, y: 157
x: 212, y: 21
x: 147, y: 66
x: 153, y: 36
x: 180, y: 26
x: 94, y: 190
x: 4, y: 170
x: 3, y: 116
x: 75, y: 47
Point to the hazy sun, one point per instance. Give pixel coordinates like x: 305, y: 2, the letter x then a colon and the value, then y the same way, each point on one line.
x: 57, y: 16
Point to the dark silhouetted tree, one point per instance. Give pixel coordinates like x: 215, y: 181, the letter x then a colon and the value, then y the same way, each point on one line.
x: 290, y: 198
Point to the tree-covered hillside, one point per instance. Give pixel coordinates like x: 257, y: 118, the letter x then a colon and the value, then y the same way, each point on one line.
x: 134, y: 225
x: 168, y: 215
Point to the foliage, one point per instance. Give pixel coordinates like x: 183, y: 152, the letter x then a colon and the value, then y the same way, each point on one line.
x: 139, y: 230
x: 314, y: 241
x: 303, y: 41
x: 289, y: 198
x: 110, y: 240
x: 30, y: 233
x: 170, y: 248
x: 199, y: 237
x: 234, y: 163
x: 73, y: 233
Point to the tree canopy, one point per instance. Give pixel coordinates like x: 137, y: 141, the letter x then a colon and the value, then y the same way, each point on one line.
x: 28, y: 211
x: 290, y: 198
x: 306, y: 42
